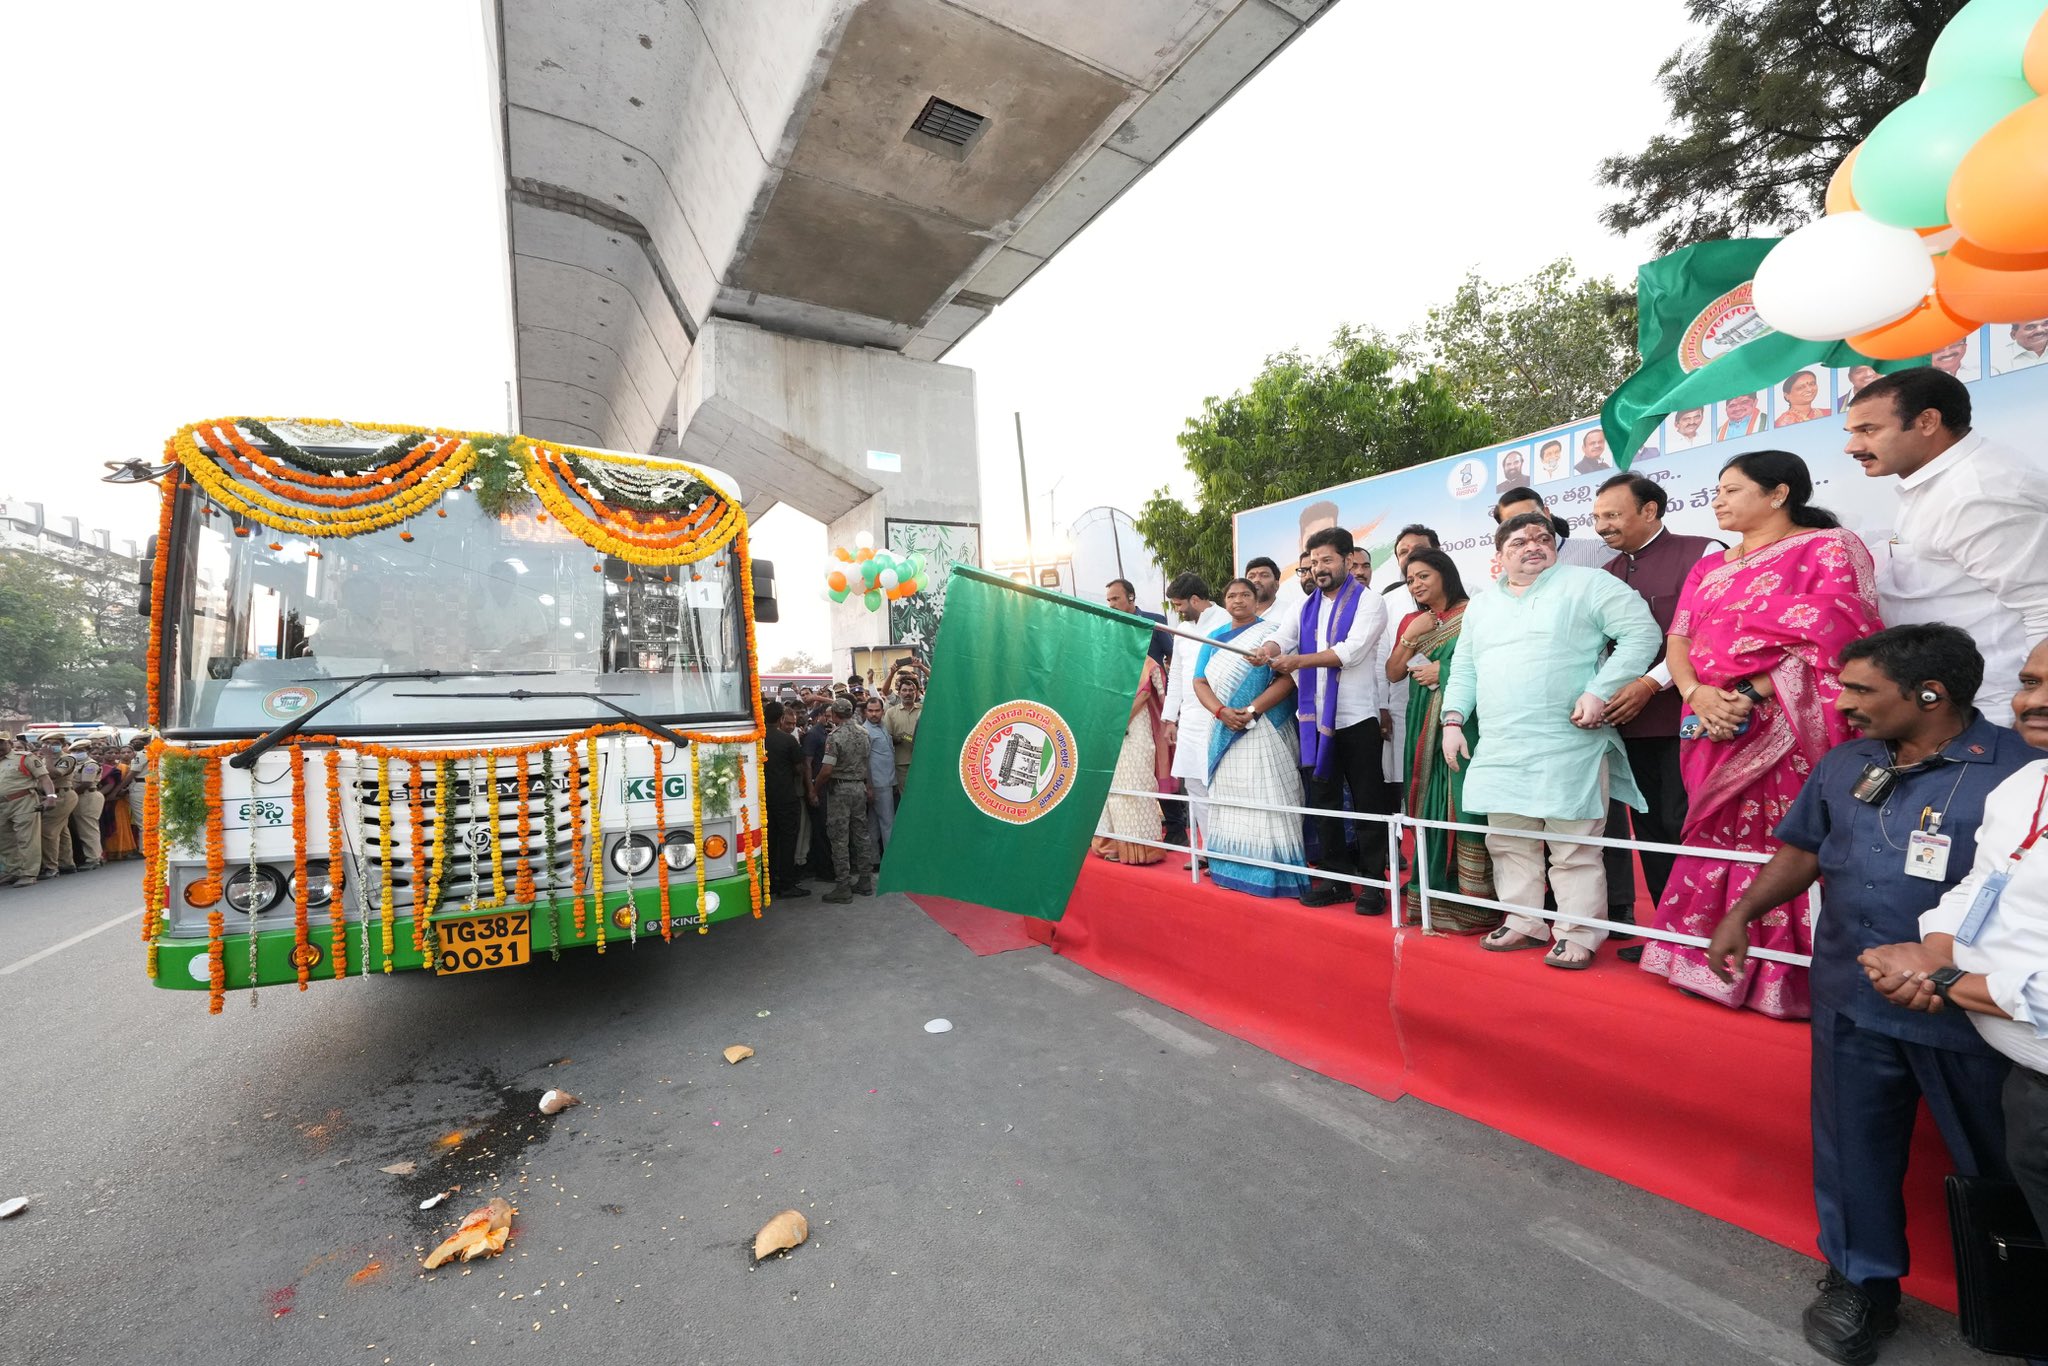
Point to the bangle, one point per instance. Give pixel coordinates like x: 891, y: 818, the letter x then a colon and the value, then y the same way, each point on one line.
x: 1460, y: 725
x: 1685, y: 694
x: 1655, y: 686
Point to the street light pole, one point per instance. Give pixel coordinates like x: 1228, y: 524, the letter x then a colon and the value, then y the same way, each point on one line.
x: 1024, y: 478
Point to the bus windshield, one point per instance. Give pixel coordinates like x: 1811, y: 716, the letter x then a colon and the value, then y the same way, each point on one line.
x: 268, y: 625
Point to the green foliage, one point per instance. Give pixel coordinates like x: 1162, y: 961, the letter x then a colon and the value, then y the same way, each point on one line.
x: 42, y: 634
x: 183, y: 809
x: 718, y: 775
x: 1533, y: 353
x: 1765, y: 106
x: 1305, y: 423
x: 499, y: 482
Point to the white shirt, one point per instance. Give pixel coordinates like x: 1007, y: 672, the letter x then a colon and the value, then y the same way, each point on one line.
x: 1361, y: 682
x: 2012, y: 948
x: 1182, y: 707
x: 1970, y: 550
x: 1400, y: 602
x: 1591, y: 553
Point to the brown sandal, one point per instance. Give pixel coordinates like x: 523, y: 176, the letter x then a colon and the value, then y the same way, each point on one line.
x: 1497, y: 942
x: 1557, y: 958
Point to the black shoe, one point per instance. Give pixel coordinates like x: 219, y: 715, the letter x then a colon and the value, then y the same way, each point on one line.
x: 1633, y: 953
x: 1189, y: 866
x: 1843, y: 1323
x: 1324, y: 894
x: 1372, y: 901
x: 67, y: 870
x: 47, y: 875
x: 791, y: 893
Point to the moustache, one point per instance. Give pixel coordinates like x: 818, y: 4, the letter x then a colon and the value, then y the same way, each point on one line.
x: 2035, y: 714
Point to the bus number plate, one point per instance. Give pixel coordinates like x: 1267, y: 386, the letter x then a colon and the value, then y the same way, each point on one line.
x: 477, y: 942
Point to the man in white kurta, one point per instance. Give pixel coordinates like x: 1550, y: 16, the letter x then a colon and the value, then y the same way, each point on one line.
x: 1187, y: 720
x: 1533, y: 667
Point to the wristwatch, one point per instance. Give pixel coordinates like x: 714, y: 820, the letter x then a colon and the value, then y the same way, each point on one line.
x: 1748, y: 689
x: 1941, y: 979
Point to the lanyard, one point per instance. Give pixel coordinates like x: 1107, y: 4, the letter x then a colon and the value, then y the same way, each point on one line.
x: 2034, y: 831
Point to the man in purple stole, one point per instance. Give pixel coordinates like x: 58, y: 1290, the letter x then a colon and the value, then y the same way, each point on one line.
x: 1628, y: 515
x: 1329, y: 643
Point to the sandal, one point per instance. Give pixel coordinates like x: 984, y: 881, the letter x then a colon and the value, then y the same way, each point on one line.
x: 1507, y: 940
x: 1564, y: 954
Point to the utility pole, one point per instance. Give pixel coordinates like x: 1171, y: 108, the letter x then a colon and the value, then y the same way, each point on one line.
x: 1024, y: 478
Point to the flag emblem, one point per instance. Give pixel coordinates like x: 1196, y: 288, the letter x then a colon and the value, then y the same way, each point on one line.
x: 1019, y: 762
x: 1720, y: 327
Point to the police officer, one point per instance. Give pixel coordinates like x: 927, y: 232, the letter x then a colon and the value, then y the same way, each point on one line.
x: 85, y: 817
x: 63, y: 771
x: 843, y: 775
x: 25, y: 793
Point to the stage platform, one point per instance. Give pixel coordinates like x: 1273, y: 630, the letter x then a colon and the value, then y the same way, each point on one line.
x: 1610, y: 1068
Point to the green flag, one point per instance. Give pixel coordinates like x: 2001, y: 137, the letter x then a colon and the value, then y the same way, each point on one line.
x: 1030, y: 695
x: 1702, y: 341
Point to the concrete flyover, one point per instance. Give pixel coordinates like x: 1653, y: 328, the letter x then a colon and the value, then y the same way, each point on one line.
x: 749, y: 230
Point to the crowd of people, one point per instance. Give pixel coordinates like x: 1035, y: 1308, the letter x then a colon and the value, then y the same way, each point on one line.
x: 835, y: 761
x: 65, y: 806
x: 1866, y: 717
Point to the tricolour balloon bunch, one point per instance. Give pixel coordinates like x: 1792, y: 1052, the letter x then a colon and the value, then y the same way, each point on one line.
x: 877, y: 575
x: 1937, y: 223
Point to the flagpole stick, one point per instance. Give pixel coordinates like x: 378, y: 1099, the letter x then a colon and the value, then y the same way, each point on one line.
x: 1201, y: 639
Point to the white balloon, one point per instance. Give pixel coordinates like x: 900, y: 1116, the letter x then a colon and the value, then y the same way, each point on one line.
x: 865, y: 541
x: 1840, y: 275
x: 886, y: 579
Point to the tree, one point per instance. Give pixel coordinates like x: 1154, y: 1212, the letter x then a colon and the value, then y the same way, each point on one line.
x: 797, y: 663
x: 41, y: 638
x: 1534, y: 353
x: 1304, y: 424
x: 1766, y: 105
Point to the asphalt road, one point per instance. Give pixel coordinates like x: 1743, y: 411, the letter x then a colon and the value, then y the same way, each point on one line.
x: 1073, y: 1174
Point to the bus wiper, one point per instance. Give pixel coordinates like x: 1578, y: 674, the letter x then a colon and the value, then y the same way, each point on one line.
x: 603, y: 699
x: 265, y: 743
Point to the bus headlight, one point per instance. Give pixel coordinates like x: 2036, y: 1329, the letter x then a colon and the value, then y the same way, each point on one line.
x: 319, y: 884
x: 714, y: 846
x: 679, y: 850
x: 633, y: 855
x: 252, y: 891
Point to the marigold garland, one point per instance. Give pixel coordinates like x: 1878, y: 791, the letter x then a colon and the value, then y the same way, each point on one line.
x: 747, y: 854
x: 523, y: 887
x: 660, y: 836
x: 596, y: 837
x: 207, y: 891
x: 216, y: 962
x: 497, y: 843
x: 159, y: 576
x: 547, y: 775
x: 389, y: 905
x: 697, y: 834
x: 761, y: 765
x: 337, y: 869
x: 153, y: 900
x: 576, y: 870
x: 301, y: 895
x: 416, y: 811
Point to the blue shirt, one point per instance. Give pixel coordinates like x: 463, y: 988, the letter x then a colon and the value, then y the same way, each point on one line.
x: 1867, y: 898
x: 881, y: 755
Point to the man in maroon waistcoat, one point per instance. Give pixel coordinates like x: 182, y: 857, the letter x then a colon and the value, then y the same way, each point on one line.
x: 1628, y: 515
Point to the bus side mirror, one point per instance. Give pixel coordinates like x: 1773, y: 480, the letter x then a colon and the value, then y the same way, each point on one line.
x: 146, y: 578
x: 765, y: 611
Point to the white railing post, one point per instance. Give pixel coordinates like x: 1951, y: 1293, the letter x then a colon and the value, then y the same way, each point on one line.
x: 1394, y: 866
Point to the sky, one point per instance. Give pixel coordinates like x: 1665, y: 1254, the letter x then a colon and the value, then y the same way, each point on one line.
x: 294, y: 209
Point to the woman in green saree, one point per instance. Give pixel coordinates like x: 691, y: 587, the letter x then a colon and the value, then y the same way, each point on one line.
x: 1456, y: 860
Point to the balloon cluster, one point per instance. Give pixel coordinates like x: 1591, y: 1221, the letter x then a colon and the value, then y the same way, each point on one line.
x: 1937, y: 223
x: 877, y: 575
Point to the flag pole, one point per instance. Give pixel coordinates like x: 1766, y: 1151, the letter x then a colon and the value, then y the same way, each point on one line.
x: 1201, y: 639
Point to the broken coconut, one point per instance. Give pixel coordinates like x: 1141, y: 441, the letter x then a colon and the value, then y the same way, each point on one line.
x: 482, y: 1234
x: 739, y: 1052
x: 554, y: 1102
x: 781, y: 1233
x: 401, y: 1168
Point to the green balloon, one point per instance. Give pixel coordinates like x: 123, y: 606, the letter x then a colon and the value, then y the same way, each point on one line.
x: 872, y: 599
x: 839, y: 594
x: 1902, y: 173
x: 1984, y: 42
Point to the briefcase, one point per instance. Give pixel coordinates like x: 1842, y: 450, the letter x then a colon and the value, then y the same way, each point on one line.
x: 2001, y: 1267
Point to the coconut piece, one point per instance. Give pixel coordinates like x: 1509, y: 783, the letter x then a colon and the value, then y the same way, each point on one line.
x: 781, y: 1233
x: 554, y: 1102
x: 739, y: 1052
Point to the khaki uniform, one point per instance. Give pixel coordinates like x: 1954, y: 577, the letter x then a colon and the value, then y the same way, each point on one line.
x: 57, y: 854
x: 901, y: 724
x: 21, y: 813
x: 846, y: 802
x: 85, y: 818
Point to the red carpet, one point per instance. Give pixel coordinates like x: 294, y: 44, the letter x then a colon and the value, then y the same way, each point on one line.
x: 979, y: 928
x: 1609, y: 1068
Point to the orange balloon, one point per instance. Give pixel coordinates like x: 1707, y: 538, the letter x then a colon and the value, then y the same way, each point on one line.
x: 843, y: 554
x: 1998, y: 195
x: 1927, y: 328
x: 1840, y: 198
x: 1991, y: 287
x: 865, y: 555
x: 2034, y: 61
x: 836, y: 581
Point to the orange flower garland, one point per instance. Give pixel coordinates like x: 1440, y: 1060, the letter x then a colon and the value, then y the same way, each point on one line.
x: 497, y: 840
x: 576, y: 869
x: 761, y: 763
x: 596, y: 837
x: 159, y: 576
x: 300, y: 893
x: 416, y: 809
x: 153, y: 899
x: 387, y: 897
x: 747, y: 857
x: 522, y: 877
x: 337, y: 865
x: 660, y: 837
x: 216, y: 964
x: 697, y: 834
x: 207, y: 891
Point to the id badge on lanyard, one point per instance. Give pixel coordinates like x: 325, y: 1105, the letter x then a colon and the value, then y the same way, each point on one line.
x: 1986, y: 900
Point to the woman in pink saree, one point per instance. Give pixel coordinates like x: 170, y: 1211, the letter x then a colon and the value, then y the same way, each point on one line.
x: 1755, y: 649
x: 1141, y: 766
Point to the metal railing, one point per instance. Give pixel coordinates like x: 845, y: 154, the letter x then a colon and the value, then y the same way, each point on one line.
x: 1397, y: 822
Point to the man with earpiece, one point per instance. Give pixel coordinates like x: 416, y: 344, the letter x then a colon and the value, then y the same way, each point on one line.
x: 1887, y: 823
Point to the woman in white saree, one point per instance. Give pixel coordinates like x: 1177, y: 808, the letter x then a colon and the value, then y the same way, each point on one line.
x: 1252, y: 756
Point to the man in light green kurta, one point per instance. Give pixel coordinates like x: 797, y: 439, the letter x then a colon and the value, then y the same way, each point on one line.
x: 1533, y: 662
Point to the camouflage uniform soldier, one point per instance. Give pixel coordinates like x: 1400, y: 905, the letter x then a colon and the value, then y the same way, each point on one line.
x: 62, y: 768
x: 85, y: 817
x: 844, y: 774
x: 25, y: 793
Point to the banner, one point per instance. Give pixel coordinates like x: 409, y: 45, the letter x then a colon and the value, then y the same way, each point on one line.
x: 2005, y: 367
x: 1030, y: 696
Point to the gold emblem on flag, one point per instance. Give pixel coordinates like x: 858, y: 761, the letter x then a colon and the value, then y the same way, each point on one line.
x: 1019, y: 762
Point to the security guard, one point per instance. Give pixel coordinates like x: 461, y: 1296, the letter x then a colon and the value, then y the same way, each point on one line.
x: 63, y: 772
x: 844, y: 773
x: 85, y: 817
x: 25, y: 793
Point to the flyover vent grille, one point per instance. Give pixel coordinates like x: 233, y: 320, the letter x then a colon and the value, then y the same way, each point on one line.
x: 948, y: 123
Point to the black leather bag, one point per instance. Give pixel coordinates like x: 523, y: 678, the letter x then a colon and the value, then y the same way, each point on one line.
x: 2001, y: 1267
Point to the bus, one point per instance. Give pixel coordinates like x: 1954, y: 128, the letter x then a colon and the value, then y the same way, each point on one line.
x: 440, y: 700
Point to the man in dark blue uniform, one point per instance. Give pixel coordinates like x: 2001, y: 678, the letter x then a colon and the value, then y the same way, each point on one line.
x: 1888, y: 823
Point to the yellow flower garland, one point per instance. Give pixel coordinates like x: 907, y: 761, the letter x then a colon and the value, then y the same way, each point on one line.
x: 497, y: 844
x: 697, y: 834
x: 388, y: 905
x: 596, y: 835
